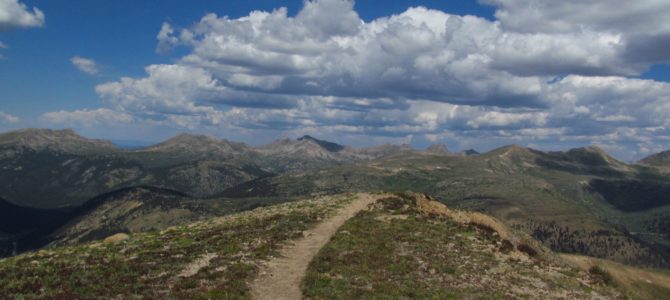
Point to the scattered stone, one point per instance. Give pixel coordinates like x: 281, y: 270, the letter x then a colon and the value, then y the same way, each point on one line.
x: 116, y: 238
x: 195, y: 267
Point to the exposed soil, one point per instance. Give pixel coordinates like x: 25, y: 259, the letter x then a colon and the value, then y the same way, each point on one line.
x: 280, y: 278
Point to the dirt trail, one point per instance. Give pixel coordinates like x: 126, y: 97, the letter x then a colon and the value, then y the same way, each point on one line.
x: 280, y: 278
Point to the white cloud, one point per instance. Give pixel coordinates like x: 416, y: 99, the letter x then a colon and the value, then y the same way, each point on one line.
x: 644, y: 103
x: 87, y: 117
x: 648, y: 16
x: 14, y: 14
x: 166, y: 38
x: 271, y: 55
x: 2, y: 45
x: 641, y: 25
x: 85, y: 65
x: 503, y: 119
x: 616, y: 118
x: 169, y: 89
x: 7, y: 118
x: 330, y: 18
x: 326, y: 50
x: 421, y: 73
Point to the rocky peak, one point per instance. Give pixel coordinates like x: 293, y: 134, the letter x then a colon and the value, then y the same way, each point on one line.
x: 305, y: 146
x: 470, y: 152
x: 514, y: 154
x: 330, y: 146
x: 590, y: 155
x: 594, y: 149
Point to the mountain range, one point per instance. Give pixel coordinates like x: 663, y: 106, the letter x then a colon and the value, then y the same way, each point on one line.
x: 579, y: 201
x: 71, y: 169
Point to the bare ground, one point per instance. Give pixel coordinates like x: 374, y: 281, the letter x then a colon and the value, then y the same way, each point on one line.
x: 280, y: 278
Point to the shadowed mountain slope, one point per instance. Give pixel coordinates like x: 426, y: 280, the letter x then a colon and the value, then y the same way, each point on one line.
x: 128, y: 210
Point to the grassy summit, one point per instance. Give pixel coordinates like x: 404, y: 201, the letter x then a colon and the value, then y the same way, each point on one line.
x: 408, y: 248
x: 403, y: 245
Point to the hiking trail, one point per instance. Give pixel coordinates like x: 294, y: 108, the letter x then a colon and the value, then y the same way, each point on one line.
x: 280, y: 277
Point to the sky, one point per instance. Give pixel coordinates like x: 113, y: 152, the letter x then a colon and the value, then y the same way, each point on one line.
x: 545, y: 74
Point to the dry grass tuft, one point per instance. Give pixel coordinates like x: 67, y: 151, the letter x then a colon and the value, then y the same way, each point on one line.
x: 520, y: 241
x: 637, y: 283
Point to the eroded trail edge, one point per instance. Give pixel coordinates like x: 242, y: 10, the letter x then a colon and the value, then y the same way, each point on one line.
x: 280, y: 277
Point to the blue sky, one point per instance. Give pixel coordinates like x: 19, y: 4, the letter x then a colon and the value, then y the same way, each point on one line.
x: 545, y: 74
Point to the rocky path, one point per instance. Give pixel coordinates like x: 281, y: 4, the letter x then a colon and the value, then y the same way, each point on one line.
x: 280, y: 278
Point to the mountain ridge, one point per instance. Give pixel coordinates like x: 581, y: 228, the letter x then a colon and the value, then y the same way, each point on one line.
x: 199, y: 143
x: 66, y: 140
x: 38, y: 139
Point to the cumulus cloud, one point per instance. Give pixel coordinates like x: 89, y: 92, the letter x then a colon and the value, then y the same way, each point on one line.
x: 269, y: 56
x: 166, y: 38
x: 14, y: 14
x: 502, y: 119
x: 326, y: 50
x: 169, y: 89
x: 642, y: 26
x: 7, y: 118
x: 575, y: 15
x: 541, y: 73
x: 85, y: 65
x: 330, y: 18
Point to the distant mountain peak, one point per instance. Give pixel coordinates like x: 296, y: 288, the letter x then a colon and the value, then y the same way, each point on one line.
x: 594, y: 149
x: 470, y: 152
x: 305, y: 146
x: 661, y: 159
x: 188, y: 137
x: 39, y: 133
x: 198, y: 143
x: 594, y: 152
x: 330, y: 146
x: 513, y: 149
x: 65, y: 140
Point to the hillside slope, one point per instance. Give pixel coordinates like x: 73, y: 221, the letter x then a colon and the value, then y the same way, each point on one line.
x: 219, y: 257
x: 130, y: 210
x: 18, y: 219
x: 411, y: 246
x: 215, y: 258
x: 52, y: 169
x: 659, y: 161
x: 18, y: 222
